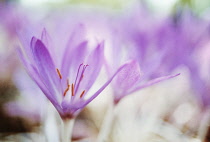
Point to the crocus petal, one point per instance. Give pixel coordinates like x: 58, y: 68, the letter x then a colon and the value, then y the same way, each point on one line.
x: 154, y: 81
x: 48, y: 42
x: 94, y: 61
x: 45, y: 37
x: 74, y: 52
x: 48, y: 93
x: 26, y: 46
x: 29, y: 68
x: 76, y: 37
x: 46, y: 67
x: 35, y: 76
x: 128, y: 77
x: 72, y: 60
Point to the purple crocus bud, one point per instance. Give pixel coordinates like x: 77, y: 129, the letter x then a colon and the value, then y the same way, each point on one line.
x: 65, y: 84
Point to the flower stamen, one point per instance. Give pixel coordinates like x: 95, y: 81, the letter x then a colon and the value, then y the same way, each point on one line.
x: 67, y: 89
x: 78, y: 73
x: 83, y: 92
x: 72, y: 89
x: 74, y: 86
x: 81, y: 75
x: 59, y: 73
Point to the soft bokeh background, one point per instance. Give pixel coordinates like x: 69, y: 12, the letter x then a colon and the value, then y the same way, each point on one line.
x: 177, y: 31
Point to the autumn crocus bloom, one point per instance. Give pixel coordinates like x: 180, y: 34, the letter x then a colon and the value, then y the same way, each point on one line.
x: 67, y: 85
x: 130, y: 79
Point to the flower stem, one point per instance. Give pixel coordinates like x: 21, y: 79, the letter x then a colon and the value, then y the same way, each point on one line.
x: 67, y: 130
x: 204, y: 124
x: 107, y: 124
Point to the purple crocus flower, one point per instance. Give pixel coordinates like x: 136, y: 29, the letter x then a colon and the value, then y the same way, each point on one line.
x: 65, y: 84
x: 131, y: 79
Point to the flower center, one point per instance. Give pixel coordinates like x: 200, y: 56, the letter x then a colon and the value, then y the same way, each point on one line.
x: 74, y: 86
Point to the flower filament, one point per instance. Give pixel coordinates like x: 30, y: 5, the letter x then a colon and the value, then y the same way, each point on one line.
x: 74, y: 86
